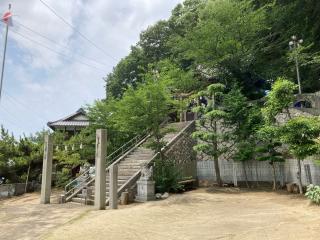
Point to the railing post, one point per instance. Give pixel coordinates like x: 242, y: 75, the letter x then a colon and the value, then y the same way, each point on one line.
x: 46, y: 170
x: 113, y: 183
x: 100, y: 172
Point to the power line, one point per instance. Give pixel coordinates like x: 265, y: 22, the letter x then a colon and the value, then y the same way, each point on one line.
x: 13, y: 117
x: 61, y: 46
x: 76, y: 30
x: 12, y: 124
x: 54, y: 51
x: 17, y: 102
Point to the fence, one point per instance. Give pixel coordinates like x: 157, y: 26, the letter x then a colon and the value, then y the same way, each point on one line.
x: 16, y: 189
x: 260, y: 171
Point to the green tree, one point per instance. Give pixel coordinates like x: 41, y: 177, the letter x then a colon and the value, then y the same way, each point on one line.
x: 245, y: 152
x: 269, y: 148
x: 210, y: 134
x: 128, y: 72
x: 29, y: 153
x: 226, y: 40
x: 8, y: 150
x: 279, y: 99
x: 144, y: 109
x: 243, y: 120
x: 300, y: 135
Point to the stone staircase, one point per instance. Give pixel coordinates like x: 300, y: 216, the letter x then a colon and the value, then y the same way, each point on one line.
x: 126, y: 168
x: 129, y: 167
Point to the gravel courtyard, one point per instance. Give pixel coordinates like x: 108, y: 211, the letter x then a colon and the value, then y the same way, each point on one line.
x: 200, y: 214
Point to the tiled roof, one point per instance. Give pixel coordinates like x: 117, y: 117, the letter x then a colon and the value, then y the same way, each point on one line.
x: 71, y: 121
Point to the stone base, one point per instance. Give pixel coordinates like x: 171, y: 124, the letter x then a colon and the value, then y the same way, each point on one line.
x: 62, y: 199
x: 146, y: 191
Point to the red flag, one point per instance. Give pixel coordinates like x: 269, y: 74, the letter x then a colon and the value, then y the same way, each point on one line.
x: 7, y: 17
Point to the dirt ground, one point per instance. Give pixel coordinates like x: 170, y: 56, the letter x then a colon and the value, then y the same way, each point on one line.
x: 201, y: 214
x: 24, y: 218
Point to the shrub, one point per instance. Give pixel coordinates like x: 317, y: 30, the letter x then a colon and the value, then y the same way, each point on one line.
x: 313, y: 193
x: 167, y: 176
x: 63, y: 177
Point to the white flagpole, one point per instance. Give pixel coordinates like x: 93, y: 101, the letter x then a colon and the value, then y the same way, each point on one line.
x: 4, y: 54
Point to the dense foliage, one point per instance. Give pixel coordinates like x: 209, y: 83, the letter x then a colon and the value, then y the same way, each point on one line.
x: 230, y: 52
x: 228, y: 41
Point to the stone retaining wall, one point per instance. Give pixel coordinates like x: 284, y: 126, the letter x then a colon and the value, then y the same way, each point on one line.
x: 183, y: 155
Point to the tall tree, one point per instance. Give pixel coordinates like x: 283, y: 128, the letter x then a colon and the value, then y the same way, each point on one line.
x: 279, y: 99
x: 269, y: 148
x: 210, y: 134
x: 144, y: 108
x: 226, y: 40
x: 300, y: 135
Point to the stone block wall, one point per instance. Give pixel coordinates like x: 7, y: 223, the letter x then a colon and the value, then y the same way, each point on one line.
x: 183, y: 155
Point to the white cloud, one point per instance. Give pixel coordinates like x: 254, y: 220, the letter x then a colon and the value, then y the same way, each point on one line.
x: 51, y: 85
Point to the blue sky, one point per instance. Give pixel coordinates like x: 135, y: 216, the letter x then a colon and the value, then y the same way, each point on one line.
x: 41, y: 85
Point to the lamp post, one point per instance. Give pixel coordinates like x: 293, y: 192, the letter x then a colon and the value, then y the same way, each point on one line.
x: 294, y: 44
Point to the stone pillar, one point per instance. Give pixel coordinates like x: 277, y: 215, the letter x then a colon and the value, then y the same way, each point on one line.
x: 113, y: 189
x: 100, y: 171
x: 46, y: 170
x: 146, y: 186
x: 146, y: 190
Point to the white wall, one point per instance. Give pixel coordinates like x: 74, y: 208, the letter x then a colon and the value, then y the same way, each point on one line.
x: 261, y: 171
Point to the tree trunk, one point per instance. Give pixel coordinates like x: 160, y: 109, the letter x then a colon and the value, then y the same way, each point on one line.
x: 288, y: 113
x: 217, y: 170
x: 274, y: 177
x: 245, y: 173
x: 257, y: 175
x: 26, y: 187
x: 216, y: 158
x: 300, y: 177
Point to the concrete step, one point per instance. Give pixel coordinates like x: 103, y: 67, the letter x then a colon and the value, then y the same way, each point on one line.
x: 136, y: 158
x: 91, y: 197
x: 82, y: 201
x: 131, y: 165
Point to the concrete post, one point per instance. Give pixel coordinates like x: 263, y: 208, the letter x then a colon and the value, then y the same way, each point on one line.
x: 234, y: 174
x: 185, y: 116
x: 100, y: 171
x: 113, y: 190
x: 46, y: 170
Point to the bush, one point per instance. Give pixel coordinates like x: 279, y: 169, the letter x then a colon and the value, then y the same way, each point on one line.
x: 313, y: 193
x: 63, y: 177
x: 167, y: 176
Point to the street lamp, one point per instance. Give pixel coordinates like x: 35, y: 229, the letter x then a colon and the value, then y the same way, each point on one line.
x: 294, y: 44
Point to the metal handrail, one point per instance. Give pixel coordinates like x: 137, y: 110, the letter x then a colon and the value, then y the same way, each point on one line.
x: 124, y: 148
x: 135, y: 177
x: 85, y: 178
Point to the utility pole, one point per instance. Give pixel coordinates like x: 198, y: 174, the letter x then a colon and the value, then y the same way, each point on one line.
x: 6, y: 19
x: 294, y: 45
